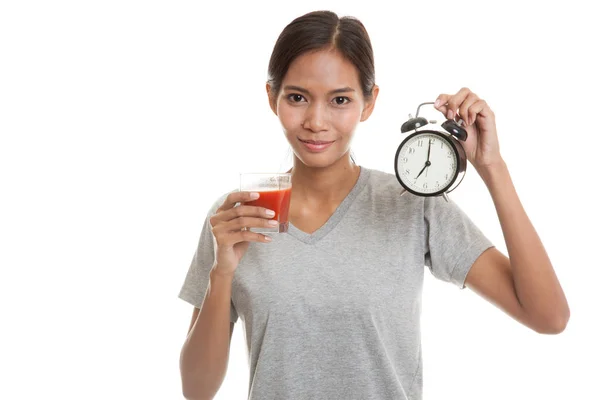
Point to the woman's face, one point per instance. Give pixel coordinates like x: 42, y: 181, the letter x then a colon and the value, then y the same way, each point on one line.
x: 319, y: 105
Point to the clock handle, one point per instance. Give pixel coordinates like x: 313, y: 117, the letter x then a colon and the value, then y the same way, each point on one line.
x: 450, y: 125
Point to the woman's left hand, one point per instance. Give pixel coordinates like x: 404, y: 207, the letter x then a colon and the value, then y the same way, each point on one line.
x: 481, y: 146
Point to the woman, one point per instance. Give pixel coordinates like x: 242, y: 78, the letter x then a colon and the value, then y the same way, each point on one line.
x: 332, y: 308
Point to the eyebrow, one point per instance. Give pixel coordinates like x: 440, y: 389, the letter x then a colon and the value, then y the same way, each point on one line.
x: 335, y: 91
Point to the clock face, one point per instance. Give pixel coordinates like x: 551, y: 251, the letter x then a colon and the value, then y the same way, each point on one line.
x: 422, y: 174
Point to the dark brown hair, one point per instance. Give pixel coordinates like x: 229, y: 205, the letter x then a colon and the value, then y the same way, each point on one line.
x: 322, y: 30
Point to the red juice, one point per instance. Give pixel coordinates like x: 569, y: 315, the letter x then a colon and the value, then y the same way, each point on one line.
x: 276, y: 200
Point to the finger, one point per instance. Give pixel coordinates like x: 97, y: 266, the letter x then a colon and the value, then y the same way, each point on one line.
x: 223, y: 231
x: 246, y: 222
x: 463, y: 109
x: 480, y: 107
x: 237, y: 197
x: 455, y: 101
x: 248, y: 236
x: 232, y: 238
x: 243, y: 211
x: 230, y: 202
x: 441, y: 103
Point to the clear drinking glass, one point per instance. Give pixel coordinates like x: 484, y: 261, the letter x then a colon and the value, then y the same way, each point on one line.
x: 275, y: 191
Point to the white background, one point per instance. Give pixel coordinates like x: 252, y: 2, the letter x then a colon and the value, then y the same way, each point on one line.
x: 122, y: 121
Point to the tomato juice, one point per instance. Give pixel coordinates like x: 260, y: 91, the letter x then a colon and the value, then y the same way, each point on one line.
x: 276, y: 200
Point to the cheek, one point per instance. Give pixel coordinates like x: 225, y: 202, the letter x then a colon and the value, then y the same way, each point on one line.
x: 290, y: 117
x: 346, y: 120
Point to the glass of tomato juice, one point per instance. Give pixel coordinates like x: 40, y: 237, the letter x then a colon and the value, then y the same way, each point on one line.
x: 275, y: 191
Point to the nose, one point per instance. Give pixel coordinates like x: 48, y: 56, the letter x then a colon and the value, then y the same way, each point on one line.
x: 316, y: 118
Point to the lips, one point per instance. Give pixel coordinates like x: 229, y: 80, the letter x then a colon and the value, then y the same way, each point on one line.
x: 316, y: 146
x: 317, y: 142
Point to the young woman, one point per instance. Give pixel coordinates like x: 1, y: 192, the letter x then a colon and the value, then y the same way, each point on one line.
x: 331, y: 309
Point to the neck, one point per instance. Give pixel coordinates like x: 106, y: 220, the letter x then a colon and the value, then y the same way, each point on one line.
x: 323, y: 185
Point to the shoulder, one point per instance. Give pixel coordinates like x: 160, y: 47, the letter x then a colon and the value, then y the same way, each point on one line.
x: 385, y: 185
x: 384, y: 192
x: 383, y: 181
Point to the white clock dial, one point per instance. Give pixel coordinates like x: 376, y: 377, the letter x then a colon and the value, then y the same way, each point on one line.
x: 421, y: 176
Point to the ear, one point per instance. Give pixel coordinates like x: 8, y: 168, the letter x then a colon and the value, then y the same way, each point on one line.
x: 370, y: 105
x: 272, y: 99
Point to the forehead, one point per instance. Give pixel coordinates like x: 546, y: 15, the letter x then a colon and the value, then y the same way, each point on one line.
x: 325, y: 68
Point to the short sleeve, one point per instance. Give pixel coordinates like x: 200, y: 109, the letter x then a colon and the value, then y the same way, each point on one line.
x: 452, y: 241
x: 197, y: 278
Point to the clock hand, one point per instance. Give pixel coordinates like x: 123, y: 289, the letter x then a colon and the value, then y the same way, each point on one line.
x: 429, y: 150
x: 426, y: 165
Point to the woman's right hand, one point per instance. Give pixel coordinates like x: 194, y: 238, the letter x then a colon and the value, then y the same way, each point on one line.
x: 231, y: 239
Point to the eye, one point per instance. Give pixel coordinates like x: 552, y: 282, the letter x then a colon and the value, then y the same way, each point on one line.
x: 341, y: 100
x: 295, y: 97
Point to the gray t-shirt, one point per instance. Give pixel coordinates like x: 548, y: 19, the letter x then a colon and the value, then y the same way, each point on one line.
x: 336, y: 314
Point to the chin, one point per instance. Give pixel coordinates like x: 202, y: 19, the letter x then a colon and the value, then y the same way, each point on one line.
x: 317, y: 160
x: 317, y: 165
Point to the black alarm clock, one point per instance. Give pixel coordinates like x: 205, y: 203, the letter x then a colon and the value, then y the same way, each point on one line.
x: 431, y: 161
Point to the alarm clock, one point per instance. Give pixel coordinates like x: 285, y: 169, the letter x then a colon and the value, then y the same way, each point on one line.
x: 431, y: 161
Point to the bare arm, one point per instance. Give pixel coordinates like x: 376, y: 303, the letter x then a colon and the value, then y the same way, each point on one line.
x: 195, y: 316
x: 524, y: 285
x: 205, y: 353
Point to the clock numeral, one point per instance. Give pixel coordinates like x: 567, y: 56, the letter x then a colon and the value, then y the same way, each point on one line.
x: 449, y: 155
x: 425, y: 185
x: 446, y: 176
x: 411, y: 150
x: 404, y: 159
x: 420, y: 143
x: 407, y: 171
x: 432, y: 140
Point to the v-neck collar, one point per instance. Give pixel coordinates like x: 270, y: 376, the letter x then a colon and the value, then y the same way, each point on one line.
x: 336, y: 217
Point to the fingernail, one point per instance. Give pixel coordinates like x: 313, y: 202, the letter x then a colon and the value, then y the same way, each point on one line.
x: 450, y: 114
x: 254, y: 195
x: 270, y: 213
x: 437, y: 103
x: 272, y: 222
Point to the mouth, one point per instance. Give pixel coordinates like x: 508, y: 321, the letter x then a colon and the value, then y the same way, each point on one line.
x: 316, y: 145
x: 316, y: 141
